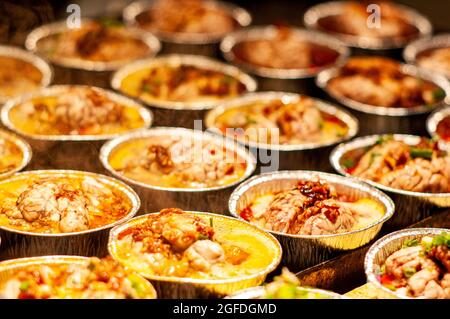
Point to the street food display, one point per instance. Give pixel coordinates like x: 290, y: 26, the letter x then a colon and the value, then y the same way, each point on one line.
x: 183, y: 217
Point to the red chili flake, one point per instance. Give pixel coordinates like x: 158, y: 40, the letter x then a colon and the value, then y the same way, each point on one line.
x: 386, y: 279
x: 246, y: 213
x: 230, y: 170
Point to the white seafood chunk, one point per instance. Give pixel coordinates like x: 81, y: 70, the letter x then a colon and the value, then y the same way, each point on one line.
x: 204, y: 253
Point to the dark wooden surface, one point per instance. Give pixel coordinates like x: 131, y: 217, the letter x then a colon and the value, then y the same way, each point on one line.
x: 341, y: 274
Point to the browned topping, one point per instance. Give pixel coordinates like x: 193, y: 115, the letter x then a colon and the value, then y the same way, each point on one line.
x: 187, y: 16
x: 162, y: 155
x: 286, y: 50
x: 441, y: 254
x: 380, y: 81
x: 90, y: 41
x: 314, y: 190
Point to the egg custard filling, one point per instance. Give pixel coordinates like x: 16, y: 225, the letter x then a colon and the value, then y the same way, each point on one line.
x: 174, y: 243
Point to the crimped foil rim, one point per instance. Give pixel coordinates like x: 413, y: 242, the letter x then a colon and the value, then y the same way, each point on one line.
x: 61, y: 259
x: 146, y: 115
x: 414, y: 48
x: 241, y: 151
x: 261, y: 32
x: 369, y: 259
x: 43, y: 67
x: 116, y: 184
x: 271, y: 267
x: 422, y: 23
x: 325, y: 76
x: 182, y: 59
x: 370, y: 140
x: 240, y: 15
x: 346, y: 117
x: 257, y: 292
x: 57, y: 27
x: 298, y: 175
x: 25, y: 148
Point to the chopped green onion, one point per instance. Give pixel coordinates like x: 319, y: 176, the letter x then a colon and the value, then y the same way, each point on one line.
x: 24, y: 285
x: 384, y: 138
x: 441, y: 240
x: 409, y: 271
x: 110, y: 22
x: 372, y: 157
x: 438, y: 95
x: 348, y: 162
x: 211, y: 222
x: 421, y: 152
x: 250, y: 120
x: 410, y: 243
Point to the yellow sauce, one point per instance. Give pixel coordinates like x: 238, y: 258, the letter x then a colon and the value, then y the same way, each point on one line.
x: 126, y: 152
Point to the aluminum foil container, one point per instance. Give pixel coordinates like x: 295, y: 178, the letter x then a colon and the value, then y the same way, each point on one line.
x: 17, y: 243
x: 303, y: 251
x: 259, y: 292
x: 79, y: 71
x: 300, y: 156
x: 317, y: 12
x: 432, y: 122
x: 411, y: 207
x: 415, y: 48
x: 384, y: 247
x: 291, y: 80
x: 155, y: 198
x: 324, y: 77
x: 182, y: 114
x: 182, y: 288
x: 68, y: 151
x: 40, y: 64
x: 269, y: 32
x: 24, y: 148
x: 177, y: 42
x: 388, y: 119
x: 7, y: 268
x: 58, y: 27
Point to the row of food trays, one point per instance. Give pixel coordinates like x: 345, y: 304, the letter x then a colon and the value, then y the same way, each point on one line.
x: 290, y: 218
